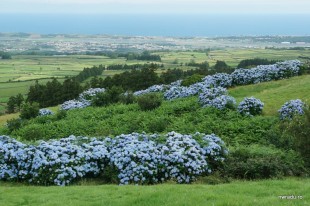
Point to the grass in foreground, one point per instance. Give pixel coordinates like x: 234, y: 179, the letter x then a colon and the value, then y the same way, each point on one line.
x: 264, y: 192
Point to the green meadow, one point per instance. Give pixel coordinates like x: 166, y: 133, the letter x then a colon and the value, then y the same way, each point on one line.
x: 264, y: 192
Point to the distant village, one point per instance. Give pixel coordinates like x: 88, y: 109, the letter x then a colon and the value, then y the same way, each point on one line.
x: 81, y: 44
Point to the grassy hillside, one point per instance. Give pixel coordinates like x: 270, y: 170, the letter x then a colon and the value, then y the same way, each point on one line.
x: 181, y: 115
x: 274, y: 94
x: 263, y: 193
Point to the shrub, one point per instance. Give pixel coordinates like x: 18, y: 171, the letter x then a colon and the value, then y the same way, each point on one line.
x: 218, y: 80
x: 33, y: 132
x: 154, y: 88
x: 127, y: 98
x: 179, y: 92
x: 258, y: 162
x: 110, y: 96
x: 61, y: 114
x: 217, y: 98
x: 291, y: 108
x: 44, y: 112
x: 149, y: 101
x: 157, y: 124
x: 90, y: 93
x: 101, y: 99
x: 263, y: 73
x: 296, y: 134
x: 29, y: 111
x: 192, y: 80
x: 114, y: 94
x: 250, y: 106
x: 14, y: 124
x: 75, y: 104
x: 184, y: 158
x: 134, y: 158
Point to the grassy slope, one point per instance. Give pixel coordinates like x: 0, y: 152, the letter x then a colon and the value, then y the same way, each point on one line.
x: 265, y: 192
x: 274, y: 94
x: 183, y: 115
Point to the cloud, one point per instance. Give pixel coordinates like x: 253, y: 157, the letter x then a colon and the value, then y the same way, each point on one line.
x: 156, y: 6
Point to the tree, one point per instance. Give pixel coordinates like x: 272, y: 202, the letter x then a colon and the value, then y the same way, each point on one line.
x: 11, y: 105
x: 5, y: 55
x: 71, y: 89
x: 15, y: 103
x: 29, y: 111
x: 220, y: 65
x: 36, y: 92
x: 19, y: 99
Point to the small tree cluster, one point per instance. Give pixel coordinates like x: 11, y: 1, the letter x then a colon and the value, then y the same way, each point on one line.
x: 15, y: 102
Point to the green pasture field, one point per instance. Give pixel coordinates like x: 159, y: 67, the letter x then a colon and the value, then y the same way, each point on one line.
x: 28, y: 67
x: 265, y: 192
x: 275, y: 93
x: 231, y: 56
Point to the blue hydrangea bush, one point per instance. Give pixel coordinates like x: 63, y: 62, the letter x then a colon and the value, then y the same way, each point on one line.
x: 45, y: 112
x: 83, y: 101
x: 216, y: 97
x: 154, y: 88
x: 250, y: 106
x: 292, y: 108
x: 261, y: 73
x: 137, y: 158
x: 264, y: 73
x: 184, y: 159
x: 75, y: 104
x: 218, y: 80
x: 88, y: 94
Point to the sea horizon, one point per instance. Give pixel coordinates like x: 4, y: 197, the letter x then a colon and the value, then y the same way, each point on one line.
x: 177, y: 25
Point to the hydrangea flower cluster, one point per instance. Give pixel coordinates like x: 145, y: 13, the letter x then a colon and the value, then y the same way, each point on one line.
x: 216, y: 97
x: 83, y: 101
x: 56, y: 162
x: 154, y: 88
x: 291, y: 108
x: 44, y: 112
x: 218, y: 80
x: 179, y: 92
x: 263, y: 73
x: 88, y: 94
x: 211, y: 144
x: 137, y: 158
x: 183, y: 158
x: 250, y: 106
x: 75, y: 104
x: 158, y: 88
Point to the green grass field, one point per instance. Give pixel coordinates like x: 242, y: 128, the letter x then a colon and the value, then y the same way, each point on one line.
x: 274, y: 94
x: 265, y: 192
x: 231, y: 56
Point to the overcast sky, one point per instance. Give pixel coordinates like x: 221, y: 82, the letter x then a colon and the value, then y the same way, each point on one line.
x: 157, y: 6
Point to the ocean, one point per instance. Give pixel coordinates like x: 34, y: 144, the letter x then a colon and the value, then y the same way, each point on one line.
x: 157, y: 25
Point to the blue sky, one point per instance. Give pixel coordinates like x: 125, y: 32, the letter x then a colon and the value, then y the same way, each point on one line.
x: 157, y: 6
